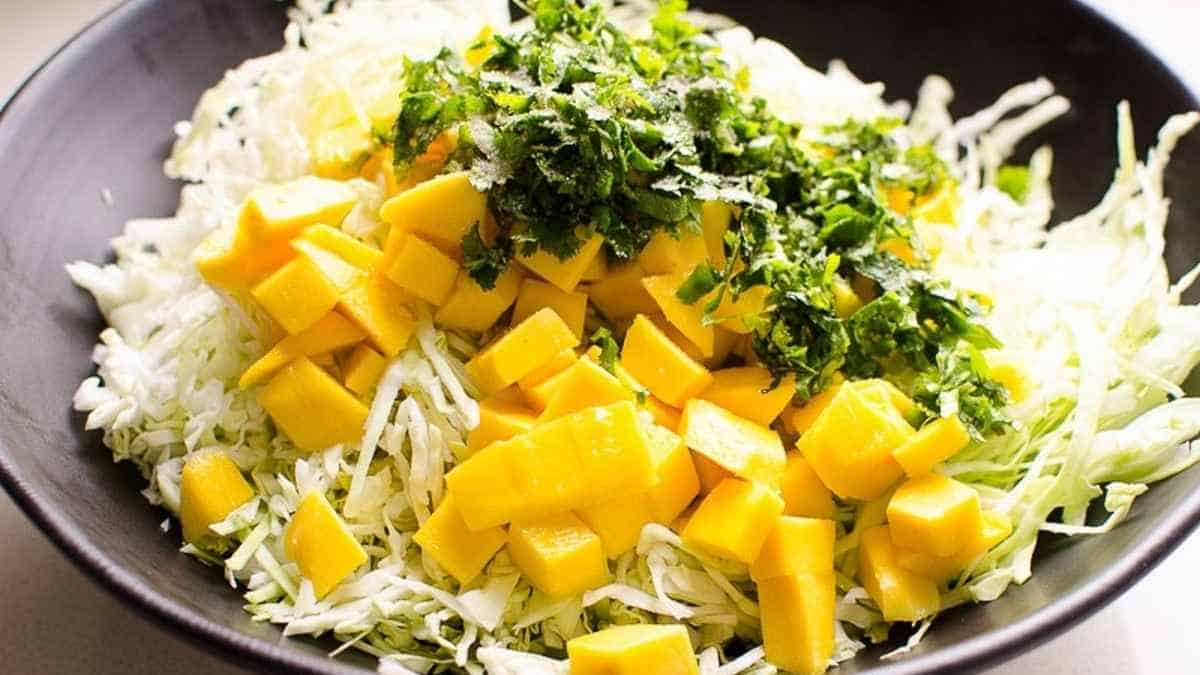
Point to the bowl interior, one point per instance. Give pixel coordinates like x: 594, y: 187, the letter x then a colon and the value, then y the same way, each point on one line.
x: 99, y: 116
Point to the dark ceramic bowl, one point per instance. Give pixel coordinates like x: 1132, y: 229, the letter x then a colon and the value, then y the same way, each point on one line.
x: 99, y: 114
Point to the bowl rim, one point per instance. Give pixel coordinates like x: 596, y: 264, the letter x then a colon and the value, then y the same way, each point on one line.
x: 243, y: 650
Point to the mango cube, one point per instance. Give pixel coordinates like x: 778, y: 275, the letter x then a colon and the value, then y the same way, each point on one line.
x: 460, y: 551
x: 795, y: 546
x: 597, y: 270
x: 321, y: 545
x: 660, y: 365
x: 803, y: 492
x: 688, y: 319
x: 338, y: 134
x: 734, y: 520
x: 421, y: 269
x: 362, y: 370
x: 850, y: 445
x: 637, y: 649
x: 667, y: 252
x: 559, y: 555
x: 499, y: 421
x: 330, y: 332
x: 744, y: 448
x: 934, y: 514
x: 571, y: 307
x: 470, y: 307
x: 799, y: 419
x: 519, y: 352
x: 709, y: 472
x: 935, y: 442
x: 845, y: 301
x: 663, y: 414
x: 362, y: 255
x: 715, y: 218
x: 232, y: 259
x: 750, y: 393
x: 212, y: 486
x: 900, y: 594
x: 310, y: 406
x: 275, y: 212
x: 443, y: 210
x: 735, y: 314
x: 381, y: 310
x: 296, y: 295
x: 884, y: 394
x: 565, y: 274
x: 996, y: 528
x: 677, y: 483
x: 797, y: 615
x: 564, y: 359
x: 584, y: 385
x: 620, y: 294
x: 618, y: 522
x: 1010, y: 371
x: 538, y: 396
x: 338, y: 272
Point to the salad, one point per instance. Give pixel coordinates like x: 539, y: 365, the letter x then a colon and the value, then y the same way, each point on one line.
x: 617, y: 340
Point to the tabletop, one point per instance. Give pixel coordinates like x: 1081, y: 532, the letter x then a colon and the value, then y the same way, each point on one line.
x: 54, y: 620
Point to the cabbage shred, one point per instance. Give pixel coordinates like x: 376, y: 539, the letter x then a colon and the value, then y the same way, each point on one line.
x: 1087, y: 307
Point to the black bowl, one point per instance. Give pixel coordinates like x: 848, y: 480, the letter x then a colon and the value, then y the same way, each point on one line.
x: 99, y: 114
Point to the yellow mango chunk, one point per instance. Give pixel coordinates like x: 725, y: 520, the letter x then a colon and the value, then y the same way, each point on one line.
x: 360, y: 254
x: 499, y: 421
x: 381, y: 310
x: 714, y: 221
x: 902, y: 250
x: 597, y: 270
x: 850, y: 445
x: 677, y: 483
x: 709, y: 472
x: 620, y: 294
x: 296, y: 295
x: 275, y: 212
x: 420, y: 268
x: 321, y: 545
x: 534, y: 295
x: 750, y: 393
x: 996, y: 528
x: 565, y: 274
x: 884, y: 394
x: 668, y: 253
x: 526, y: 347
x: 485, y: 488
x: 794, y: 546
x: 693, y: 352
x: 734, y: 520
x: 538, y: 396
x: 938, y: 206
x: 339, y: 273
x: 310, y: 406
x: 559, y: 555
x: 584, y: 385
x: 362, y: 369
x: 338, y: 134
x: 618, y: 522
x: 899, y: 199
x: 735, y: 315
x: 1009, y: 370
x: 660, y: 365
x: 688, y: 319
x: 562, y: 360
x: 442, y: 210
x: 469, y: 307
x: 639, y: 649
x: 797, y: 615
x: 746, y: 449
x: 480, y: 48
x: 845, y: 301
x: 664, y: 415
x: 460, y: 551
x: 803, y: 492
x: 935, y: 442
x: 934, y: 514
x: 232, y: 259
x: 798, y: 419
x: 900, y: 594
x: 211, y: 487
x: 330, y: 332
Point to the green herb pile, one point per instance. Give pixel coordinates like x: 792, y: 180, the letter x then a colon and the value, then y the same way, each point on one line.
x: 575, y: 128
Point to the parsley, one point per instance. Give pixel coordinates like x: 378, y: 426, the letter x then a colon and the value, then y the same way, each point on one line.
x: 609, y: 350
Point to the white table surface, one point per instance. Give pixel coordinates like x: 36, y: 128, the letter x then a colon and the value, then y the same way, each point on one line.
x: 53, y: 620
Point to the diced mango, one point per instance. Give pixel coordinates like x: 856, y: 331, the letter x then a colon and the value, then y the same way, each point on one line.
x: 618, y: 522
x: 996, y: 528
x: 443, y: 210
x: 564, y: 359
x: 485, y: 487
x: 211, y: 487
x: 798, y: 419
x: 797, y: 615
x: 1011, y: 372
x: 935, y: 442
x: 746, y: 449
x: 736, y: 315
x: 620, y: 294
x: 499, y: 421
x: 638, y: 649
x: 522, y: 350
x: 709, y: 472
x: 538, y: 396
x: 660, y: 365
x: 309, y: 406
x: 795, y: 546
x: 559, y: 555
x: 360, y: 254
x: 938, y: 206
x: 338, y: 134
x: 380, y: 309
x: 460, y: 551
x: 899, y: 199
x: 734, y: 520
x: 362, y: 369
x: 534, y: 295
x: 280, y: 212
x: 900, y: 594
x: 845, y: 301
x: 565, y: 274
x: 850, y: 445
x: 724, y: 344
x: 584, y: 385
x: 469, y: 307
x: 677, y: 483
x: 689, y: 319
x: 321, y: 545
x: 902, y: 249
x: 480, y: 48
x: 884, y: 394
x: 338, y: 272
x: 803, y: 492
x: 231, y: 259
x: 668, y: 253
x: 934, y: 514
x: 750, y: 393
x: 664, y: 415
x: 693, y: 352
x: 597, y: 270
x: 714, y: 221
x: 296, y: 295
x: 421, y: 269
x: 330, y: 332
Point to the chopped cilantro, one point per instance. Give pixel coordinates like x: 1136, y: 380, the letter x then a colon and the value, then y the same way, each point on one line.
x: 603, y: 338
x: 1014, y: 181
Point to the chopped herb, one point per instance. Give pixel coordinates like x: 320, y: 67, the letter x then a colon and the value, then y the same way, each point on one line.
x: 603, y: 338
x: 1014, y: 181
